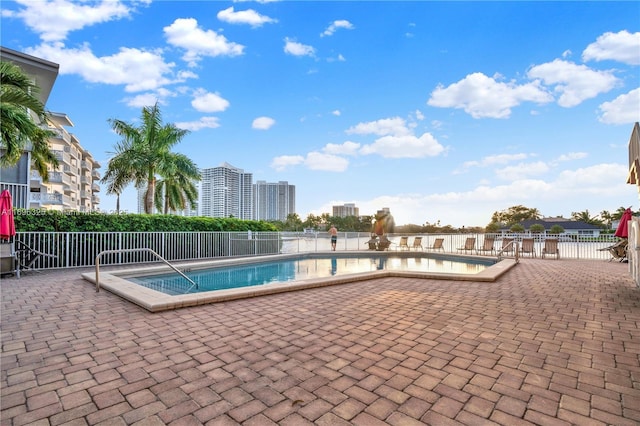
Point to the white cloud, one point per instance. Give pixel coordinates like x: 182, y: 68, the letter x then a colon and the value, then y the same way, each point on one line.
x: 492, y: 160
x: 185, y: 34
x: 522, y: 171
x: 149, y: 99
x: 573, y: 190
x: 284, y: 161
x: 326, y: 162
x: 386, y: 126
x: 484, y: 97
x: 622, y: 46
x: 624, y: 109
x: 202, y: 123
x: 346, y: 148
x: 404, y: 146
x: 54, y: 19
x: 336, y: 112
x: 397, y: 139
x: 333, y: 27
x: 294, y: 48
x: 263, y: 123
x: 575, y: 83
x: 571, y: 156
x: 137, y: 69
x: 204, y: 101
x: 249, y: 16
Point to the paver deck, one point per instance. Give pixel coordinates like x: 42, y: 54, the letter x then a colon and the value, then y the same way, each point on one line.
x: 550, y: 343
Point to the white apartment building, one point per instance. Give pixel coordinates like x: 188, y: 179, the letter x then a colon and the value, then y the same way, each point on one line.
x: 73, y: 185
x: 226, y: 191
x: 273, y: 201
x: 348, y: 209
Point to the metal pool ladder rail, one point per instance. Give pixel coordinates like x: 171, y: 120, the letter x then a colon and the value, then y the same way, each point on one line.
x: 193, y: 284
x: 513, y: 246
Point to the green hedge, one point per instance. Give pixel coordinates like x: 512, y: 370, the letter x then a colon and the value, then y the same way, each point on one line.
x: 36, y: 220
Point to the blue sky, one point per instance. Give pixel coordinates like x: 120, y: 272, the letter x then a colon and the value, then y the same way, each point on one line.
x: 441, y: 111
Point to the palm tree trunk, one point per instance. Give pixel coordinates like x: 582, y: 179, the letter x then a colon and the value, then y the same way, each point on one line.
x: 148, y: 199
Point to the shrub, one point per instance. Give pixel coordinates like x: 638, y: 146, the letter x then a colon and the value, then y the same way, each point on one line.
x: 36, y: 220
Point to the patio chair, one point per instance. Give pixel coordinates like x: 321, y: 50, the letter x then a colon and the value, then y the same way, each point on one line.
x: 27, y: 257
x: 383, y: 244
x: 404, y: 243
x: 417, y: 243
x: 438, y: 244
x: 487, y: 245
x: 551, y: 248
x: 373, y: 242
x: 528, y: 247
x: 469, y: 245
x: 617, y: 251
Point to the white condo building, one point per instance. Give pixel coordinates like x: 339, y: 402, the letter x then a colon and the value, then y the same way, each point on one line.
x: 226, y: 191
x: 273, y: 201
x: 73, y: 185
x: 348, y: 209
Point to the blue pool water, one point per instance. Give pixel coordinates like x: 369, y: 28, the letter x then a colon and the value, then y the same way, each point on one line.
x: 261, y: 273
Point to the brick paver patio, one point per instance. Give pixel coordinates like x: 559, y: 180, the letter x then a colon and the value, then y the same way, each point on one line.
x: 551, y: 343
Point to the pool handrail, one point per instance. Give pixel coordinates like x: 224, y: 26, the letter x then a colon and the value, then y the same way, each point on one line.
x: 506, y: 248
x: 193, y: 284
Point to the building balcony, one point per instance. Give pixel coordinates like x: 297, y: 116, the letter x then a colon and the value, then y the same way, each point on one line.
x: 95, y: 199
x: 46, y: 198
x: 85, y: 165
x: 95, y: 174
x: 71, y: 151
x: 62, y: 157
x: 60, y: 134
x: 69, y: 170
x: 95, y: 187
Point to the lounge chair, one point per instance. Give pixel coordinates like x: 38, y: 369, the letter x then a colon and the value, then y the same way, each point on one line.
x: 438, y: 244
x: 28, y: 258
x: 383, y: 244
x: 551, y: 248
x: 487, y: 245
x: 417, y: 243
x: 617, y: 251
x: 404, y: 243
x: 373, y: 242
x: 469, y: 245
x: 528, y: 247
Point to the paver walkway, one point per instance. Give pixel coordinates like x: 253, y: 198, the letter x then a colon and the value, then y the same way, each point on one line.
x: 551, y: 343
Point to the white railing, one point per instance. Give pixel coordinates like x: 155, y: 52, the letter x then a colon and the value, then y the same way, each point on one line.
x: 79, y: 249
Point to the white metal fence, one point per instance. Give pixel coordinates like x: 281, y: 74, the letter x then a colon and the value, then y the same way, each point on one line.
x: 79, y: 249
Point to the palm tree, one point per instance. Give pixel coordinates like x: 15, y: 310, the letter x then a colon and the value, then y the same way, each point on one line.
x: 18, y: 102
x: 177, y: 188
x: 144, y: 153
x: 586, y: 217
x: 120, y: 172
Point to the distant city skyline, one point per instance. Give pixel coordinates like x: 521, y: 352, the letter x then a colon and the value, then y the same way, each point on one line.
x: 441, y: 111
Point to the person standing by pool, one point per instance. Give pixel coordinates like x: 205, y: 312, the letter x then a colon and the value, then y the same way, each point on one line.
x: 334, y: 237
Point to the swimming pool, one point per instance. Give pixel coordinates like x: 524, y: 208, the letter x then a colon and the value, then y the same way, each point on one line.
x: 155, y: 289
x: 301, y: 268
